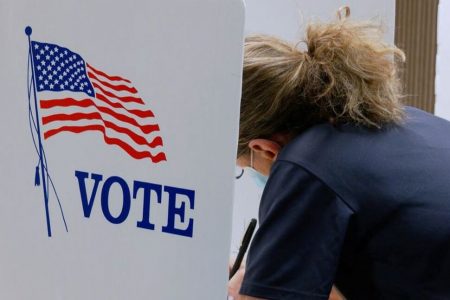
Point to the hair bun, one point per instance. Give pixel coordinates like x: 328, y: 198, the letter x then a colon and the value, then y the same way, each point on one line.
x: 355, y: 71
x: 347, y: 75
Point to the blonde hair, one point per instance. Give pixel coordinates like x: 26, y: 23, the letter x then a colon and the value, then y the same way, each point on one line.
x: 346, y: 75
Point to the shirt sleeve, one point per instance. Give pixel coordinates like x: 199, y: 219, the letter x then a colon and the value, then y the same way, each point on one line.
x: 295, y: 252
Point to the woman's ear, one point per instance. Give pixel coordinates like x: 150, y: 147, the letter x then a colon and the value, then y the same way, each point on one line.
x: 267, y: 149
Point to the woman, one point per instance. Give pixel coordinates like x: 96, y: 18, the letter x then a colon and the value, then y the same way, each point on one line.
x: 358, y: 193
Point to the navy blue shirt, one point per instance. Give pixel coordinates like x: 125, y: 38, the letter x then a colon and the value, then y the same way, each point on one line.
x: 367, y: 210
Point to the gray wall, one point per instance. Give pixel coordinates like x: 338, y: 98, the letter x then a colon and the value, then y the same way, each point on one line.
x: 442, y: 107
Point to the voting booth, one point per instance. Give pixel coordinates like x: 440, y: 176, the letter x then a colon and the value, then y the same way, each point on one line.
x: 119, y: 131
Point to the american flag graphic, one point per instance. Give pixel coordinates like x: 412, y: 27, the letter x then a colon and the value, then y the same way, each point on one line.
x: 76, y: 97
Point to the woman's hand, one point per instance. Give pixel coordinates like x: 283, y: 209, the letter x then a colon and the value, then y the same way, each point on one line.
x: 234, y: 285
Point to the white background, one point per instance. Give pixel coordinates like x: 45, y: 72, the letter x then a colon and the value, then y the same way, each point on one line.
x: 287, y: 19
x: 185, y: 59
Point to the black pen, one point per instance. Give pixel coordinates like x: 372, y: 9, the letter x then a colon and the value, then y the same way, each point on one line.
x: 244, y: 246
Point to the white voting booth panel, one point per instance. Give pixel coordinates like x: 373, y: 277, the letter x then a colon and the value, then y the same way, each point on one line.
x: 119, y: 133
x: 287, y: 19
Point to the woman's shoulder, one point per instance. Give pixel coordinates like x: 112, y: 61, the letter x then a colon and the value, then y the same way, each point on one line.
x: 417, y: 129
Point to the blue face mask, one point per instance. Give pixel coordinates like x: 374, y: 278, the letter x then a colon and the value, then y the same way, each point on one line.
x: 259, y: 179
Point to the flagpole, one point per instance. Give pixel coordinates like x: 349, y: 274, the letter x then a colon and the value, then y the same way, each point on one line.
x: 28, y: 32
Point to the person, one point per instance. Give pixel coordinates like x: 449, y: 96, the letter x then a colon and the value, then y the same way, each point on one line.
x: 358, y: 187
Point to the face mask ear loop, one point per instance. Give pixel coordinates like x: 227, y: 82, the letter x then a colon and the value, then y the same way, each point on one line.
x: 251, y: 158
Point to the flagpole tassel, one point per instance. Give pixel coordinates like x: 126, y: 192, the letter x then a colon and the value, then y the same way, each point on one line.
x: 37, y: 178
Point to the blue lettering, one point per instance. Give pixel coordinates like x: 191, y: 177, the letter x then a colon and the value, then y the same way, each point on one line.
x: 126, y: 200
x: 180, y: 201
x: 87, y: 205
x: 148, y: 188
x: 173, y: 210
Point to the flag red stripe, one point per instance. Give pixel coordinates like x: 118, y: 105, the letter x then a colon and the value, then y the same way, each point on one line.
x: 112, y: 78
x: 121, y: 98
x: 71, y: 117
x: 137, y: 112
x: 161, y: 156
x: 118, y: 88
x: 66, y: 102
x: 157, y: 141
x: 97, y: 116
